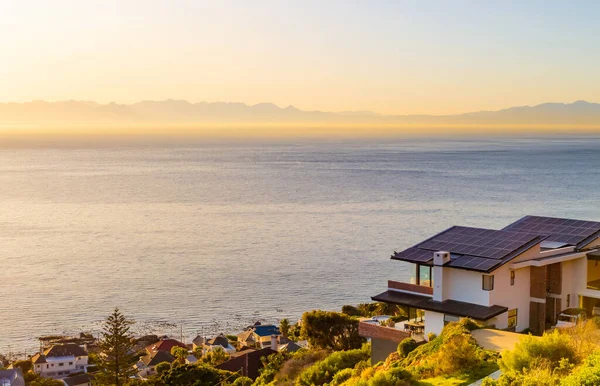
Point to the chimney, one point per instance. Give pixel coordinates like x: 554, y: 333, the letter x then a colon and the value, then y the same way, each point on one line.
x: 439, y: 259
x: 274, y: 343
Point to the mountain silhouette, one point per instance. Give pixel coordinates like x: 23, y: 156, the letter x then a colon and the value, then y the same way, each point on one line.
x: 181, y: 111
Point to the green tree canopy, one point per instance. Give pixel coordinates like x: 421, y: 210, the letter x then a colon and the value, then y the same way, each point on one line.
x: 116, y: 364
x: 196, y: 375
x: 325, y: 329
x: 215, y: 356
x: 284, y: 327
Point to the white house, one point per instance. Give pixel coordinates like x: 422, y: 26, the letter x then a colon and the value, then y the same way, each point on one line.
x: 516, y: 278
x: 60, y: 360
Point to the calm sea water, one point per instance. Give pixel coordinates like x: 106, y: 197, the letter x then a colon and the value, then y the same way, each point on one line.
x: 207, y: 238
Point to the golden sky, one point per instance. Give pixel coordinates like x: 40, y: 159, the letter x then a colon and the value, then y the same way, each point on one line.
x: 394, y: 57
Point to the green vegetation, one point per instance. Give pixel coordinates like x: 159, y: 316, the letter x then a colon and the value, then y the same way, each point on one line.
x: 331, y: 330
x: 284, y: 327
x: 162, y: 367
x: 195, y: 375
x: 179, y: 353
x: 406, y: 347
x: 560, y: 357
x: 215, y: 356
x: 116, y: 363
x: 323, y: 371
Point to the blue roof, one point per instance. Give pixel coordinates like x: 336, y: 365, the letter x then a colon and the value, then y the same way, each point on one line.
x: 266, y: 330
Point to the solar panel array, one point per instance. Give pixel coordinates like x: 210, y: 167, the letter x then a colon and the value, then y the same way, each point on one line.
x: 478, y: 242
x: 557, y: 229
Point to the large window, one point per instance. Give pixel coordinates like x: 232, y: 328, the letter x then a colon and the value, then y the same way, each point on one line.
x: 424, y: 275
x: 512, y: 318
x: 487, y: 282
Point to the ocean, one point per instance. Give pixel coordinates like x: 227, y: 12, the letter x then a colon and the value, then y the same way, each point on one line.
x: 204, y: 238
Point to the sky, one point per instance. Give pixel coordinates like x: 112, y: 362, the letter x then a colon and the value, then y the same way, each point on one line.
x: 392, y: 57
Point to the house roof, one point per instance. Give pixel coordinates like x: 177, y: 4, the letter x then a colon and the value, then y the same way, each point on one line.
x: 474, y: 249
x: 77, y: 380
x: 266, y: 330
x: 451, y: 307
x: 164, y: 345
x: 14, y: 377
x: 248, y: 363
x: 38, y: 358
x: 158, y: 357
x: 290, y: 347
x: 60, y: 350
x: 220, y: 340
x: 573, y: 232
x: 246, y: 335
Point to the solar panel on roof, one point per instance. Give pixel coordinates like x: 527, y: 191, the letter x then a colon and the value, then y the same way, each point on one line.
x: 559, y: 230
x: 477, y: 242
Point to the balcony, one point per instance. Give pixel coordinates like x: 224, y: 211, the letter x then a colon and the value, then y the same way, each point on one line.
x: 411, y: 288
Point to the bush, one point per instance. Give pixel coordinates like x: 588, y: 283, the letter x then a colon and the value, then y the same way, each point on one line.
x: 586, y: 375
x: 551, y: 347
x: 242, y: 381
x: 406, y: 347
x: 431, y: 336
x: 350, y: 310
x: 232, y: 338
x: 162, y: 367
x: 323, y: 371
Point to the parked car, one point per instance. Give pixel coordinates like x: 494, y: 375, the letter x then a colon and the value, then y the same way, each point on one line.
x: 570, y: 317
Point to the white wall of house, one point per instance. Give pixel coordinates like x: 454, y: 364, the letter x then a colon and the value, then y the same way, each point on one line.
x: 434, y: 322
x: 465, y: 286
x: 511, y: 296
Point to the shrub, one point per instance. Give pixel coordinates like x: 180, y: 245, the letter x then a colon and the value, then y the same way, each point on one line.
x: 431, y: 336
x: 162, y: 367
x: 232, y: 338
x: 323, y: 371
x: 350, y: 310
x: 551, y: 347
x: 243, y: 381
x: 341, y: 377
x: 406, y: 347
x: 586, y: 375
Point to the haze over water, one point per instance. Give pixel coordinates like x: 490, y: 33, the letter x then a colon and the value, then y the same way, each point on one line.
x: 214, y: 236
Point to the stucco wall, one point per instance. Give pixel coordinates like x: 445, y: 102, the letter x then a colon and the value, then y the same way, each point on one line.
x: 434, y: 322
x: 515, y: 296
x: 381, y: 349
x: 465, y: 286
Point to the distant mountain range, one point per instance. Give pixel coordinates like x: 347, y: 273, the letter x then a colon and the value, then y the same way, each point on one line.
x: 183, y: 112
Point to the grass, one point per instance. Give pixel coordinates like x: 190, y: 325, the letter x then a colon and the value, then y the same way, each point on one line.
x: 461, y: 379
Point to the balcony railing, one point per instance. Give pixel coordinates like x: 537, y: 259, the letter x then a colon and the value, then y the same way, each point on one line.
x: 408, y: 287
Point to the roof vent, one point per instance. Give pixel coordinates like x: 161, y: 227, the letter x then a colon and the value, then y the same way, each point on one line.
x: 441, y: 257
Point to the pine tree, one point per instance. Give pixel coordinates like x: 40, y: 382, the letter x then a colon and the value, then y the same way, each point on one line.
x: 117, y: 358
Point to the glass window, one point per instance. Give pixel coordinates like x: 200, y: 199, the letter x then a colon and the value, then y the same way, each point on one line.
x: 450, y: 318
x: 488, y: 282
x: 512, y: 318
x: 512, y: 277
x: 568, y: 300
x: 425, y: 275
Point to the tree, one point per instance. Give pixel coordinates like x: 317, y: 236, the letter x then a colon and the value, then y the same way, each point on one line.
x: 179, y: 353
x: 116, y: 363
x: 196, y: 375
x: 162, y: 367
x: 243, y: 381
x: 24, y: 365
x: 284, y: 327
x: 215, y: 356
x: 325, y: 329
x: 33, y: 379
